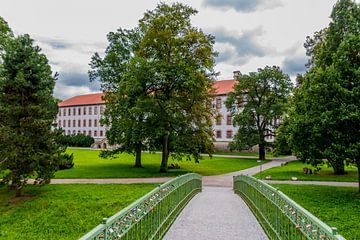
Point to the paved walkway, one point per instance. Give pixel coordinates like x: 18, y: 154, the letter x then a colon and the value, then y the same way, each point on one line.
x: 216, y: 213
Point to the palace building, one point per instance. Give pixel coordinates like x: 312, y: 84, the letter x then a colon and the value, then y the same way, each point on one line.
x: 81, y: 115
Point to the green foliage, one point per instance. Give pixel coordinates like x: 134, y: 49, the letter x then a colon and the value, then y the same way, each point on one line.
x: 27, y: 111
x: 258, y: 103
x: 337, y: 206
x: 281, y: 144
x: 65, y: 211
x: 157, y: 79
x: 79, y: 140
x: 5, y: 33
x: 326, y: 108
x: 296, y: 169
x: 89, y: 165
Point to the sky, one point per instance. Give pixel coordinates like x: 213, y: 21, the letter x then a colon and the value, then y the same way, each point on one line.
x: 249, y: 34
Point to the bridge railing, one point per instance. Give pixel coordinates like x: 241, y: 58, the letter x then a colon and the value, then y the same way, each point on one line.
x: 280, y: 216
x: 150, y: 216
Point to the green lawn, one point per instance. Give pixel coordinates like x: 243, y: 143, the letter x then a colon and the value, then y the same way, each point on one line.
x: 336, y: 206
x: 270, y: 154
x: 88, y: 164
x: 62, y: 211
x: 295, y: 169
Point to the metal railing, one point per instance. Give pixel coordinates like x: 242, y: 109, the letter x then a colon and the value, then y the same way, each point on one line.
x: 280, y: 216
x: 150, y: 216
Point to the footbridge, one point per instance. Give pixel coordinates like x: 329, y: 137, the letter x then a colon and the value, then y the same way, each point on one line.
x: 182, y: 208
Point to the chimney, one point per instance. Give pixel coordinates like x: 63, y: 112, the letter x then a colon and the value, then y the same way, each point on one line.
x: 237, y: 74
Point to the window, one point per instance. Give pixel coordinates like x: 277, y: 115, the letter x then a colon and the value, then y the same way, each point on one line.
x: 101, y: 110
x: 59, y: 112
x: 64, y: 123
x: 74, y: 111
x: 218, y: 134
x: 69, y: 111
x: 90, y: 123
x: 59, y: 124
x: 90, y: 110
x: 84, y: 123
x: 229, y: 134
x: 69, y: 123
x: 74, y: 123
x: 84, y: 132
x: 79, y: 123
x: 218, y: 103
x: 101, y: 124
x: 79, y: 132
x: 95, y: 122
x: 89, y: 133
x: 84, y: 110
x: 79, y: 111
x: 64, y: 112
x: 229, y: 120
x: 101, y: 133
x: 95, y: 133
x: 218, y: 120
x: 74, y: 132
x: 95, y: 110
x: 69, y: 132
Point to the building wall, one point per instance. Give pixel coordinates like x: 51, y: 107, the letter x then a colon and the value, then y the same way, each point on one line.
x: 91, y: 114
x: 224, y: 129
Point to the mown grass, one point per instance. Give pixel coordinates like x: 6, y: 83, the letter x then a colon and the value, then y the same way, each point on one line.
x: 62, y: 211
x: 336, y: 206
x: 295, y: 169
x: 270, y: 154
x: 88, y: 164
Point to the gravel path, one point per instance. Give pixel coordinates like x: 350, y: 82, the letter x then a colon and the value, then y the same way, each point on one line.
x: 216, y: 213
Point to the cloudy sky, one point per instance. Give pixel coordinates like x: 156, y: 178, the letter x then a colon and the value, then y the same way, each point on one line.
x: 249, y: 33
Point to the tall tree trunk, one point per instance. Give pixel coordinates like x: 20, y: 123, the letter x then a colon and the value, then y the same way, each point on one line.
x: 338, y: 166
x: 165, y: 154
x: 261, y: 151
x: 138, y: 156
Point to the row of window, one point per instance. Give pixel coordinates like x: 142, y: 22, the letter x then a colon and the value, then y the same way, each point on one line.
x: 229, y: 134
x: 78, y: 123
x: 101, y: 133
x: 229, y: 120
x: 80, y: 111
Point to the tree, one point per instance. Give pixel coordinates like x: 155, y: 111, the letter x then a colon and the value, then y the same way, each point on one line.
x: 27, y: 112
x: 326, y: 108
x: 124, y: 80
x: 157, y: 80
x: 5, y: 33
x: 258, y: 103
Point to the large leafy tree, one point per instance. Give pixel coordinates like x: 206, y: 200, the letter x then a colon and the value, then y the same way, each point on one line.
x: 325, y: 116
x: 182, y: 58
x: 258, y: 103
x: 5, y: 33
x: 157, y: 80
x: 27, y: 111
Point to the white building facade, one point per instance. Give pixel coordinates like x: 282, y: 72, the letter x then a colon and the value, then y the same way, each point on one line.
x: 82, y: 114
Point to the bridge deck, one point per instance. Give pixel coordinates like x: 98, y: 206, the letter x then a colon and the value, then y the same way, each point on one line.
x: 216, y: 213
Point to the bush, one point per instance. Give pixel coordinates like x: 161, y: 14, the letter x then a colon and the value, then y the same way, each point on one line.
x: 66, y: 161
x: 79, y: 140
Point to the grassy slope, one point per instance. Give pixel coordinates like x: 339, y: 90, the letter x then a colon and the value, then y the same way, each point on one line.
x: 336, y: 206
x: 268, y: 155
x: 89, y: 165
x: 62, y: 211
x: 295, y: 169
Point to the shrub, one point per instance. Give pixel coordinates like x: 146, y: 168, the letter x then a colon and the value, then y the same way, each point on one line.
x: 79, y: 140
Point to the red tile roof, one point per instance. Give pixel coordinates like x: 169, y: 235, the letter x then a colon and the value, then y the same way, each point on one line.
x: 222, y: 87
x: 87, y: 99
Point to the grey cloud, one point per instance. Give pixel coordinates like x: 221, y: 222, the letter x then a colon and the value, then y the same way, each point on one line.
x: 243, y: 5
x: 294, y: 65
x: 77, y: 79
x: 245, y: 46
